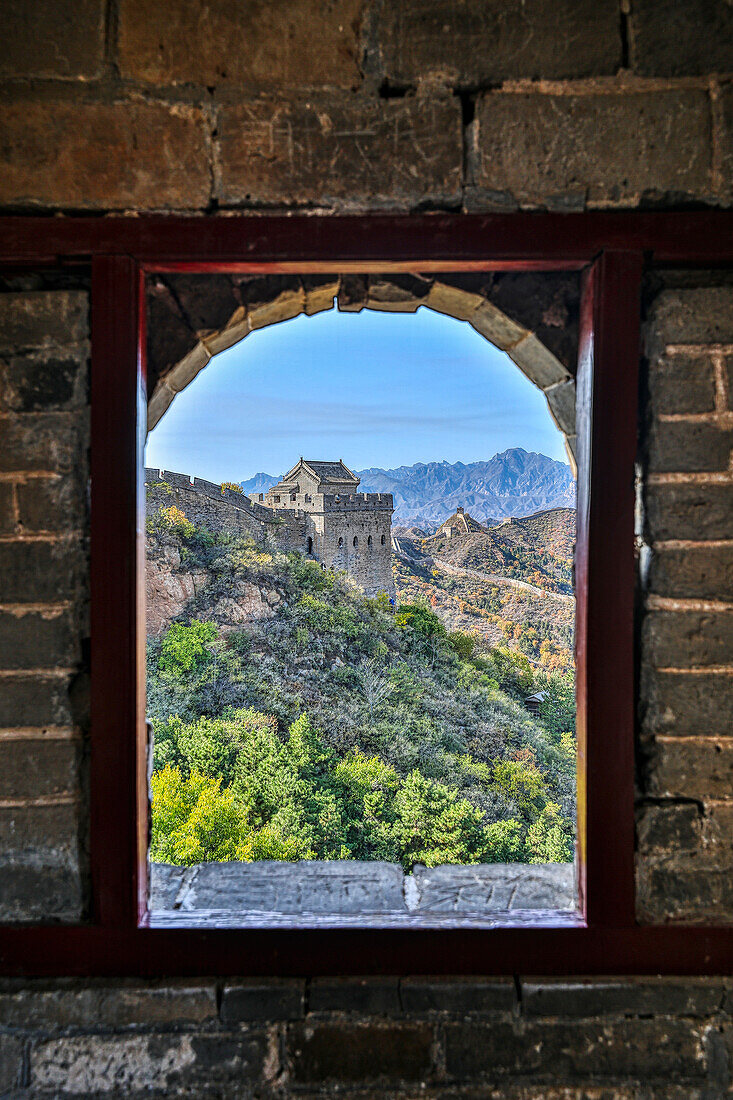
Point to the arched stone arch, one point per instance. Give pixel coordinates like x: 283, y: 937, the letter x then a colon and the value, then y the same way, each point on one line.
x: 193, y: 318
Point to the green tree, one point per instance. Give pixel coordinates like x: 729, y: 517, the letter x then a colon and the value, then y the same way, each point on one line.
x: 186, y: 647
x: 434, y: 826
x: 549, y: 838
x: 192, y: 820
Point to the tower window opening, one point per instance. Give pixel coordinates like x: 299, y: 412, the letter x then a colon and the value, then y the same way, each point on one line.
x: 356, y: 541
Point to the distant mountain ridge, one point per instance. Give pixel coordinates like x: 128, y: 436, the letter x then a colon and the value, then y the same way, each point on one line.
x: 513, y: 483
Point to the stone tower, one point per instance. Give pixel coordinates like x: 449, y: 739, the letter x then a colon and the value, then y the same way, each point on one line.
x: 344, y: 529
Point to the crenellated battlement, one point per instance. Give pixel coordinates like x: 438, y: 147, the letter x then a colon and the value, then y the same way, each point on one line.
x: 358, y: 501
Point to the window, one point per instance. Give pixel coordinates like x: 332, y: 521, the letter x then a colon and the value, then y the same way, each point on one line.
x: 383, y: 540
x: 356, y: 541
x: 369, y: 541
x: 604, y: 936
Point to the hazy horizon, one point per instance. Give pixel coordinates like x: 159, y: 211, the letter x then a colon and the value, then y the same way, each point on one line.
x: 375, y: 389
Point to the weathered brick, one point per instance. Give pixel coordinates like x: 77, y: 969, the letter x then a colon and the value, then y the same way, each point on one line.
x: 102, y: 156
x: 689, y: 511
x: 321, y: 1052
x: 36, y: 639
x: 96, y: 1005
x: 682, y: 384
x: 38, y: 383
x: 689, y: 39
x: 40, y: 572
x: 565, y: 150
x: 688, y: 767
x: 456, y: 995
x: 51, y: 504
x: 681, y: 447
x: 725, y: 144
x: 38, y: 768
x: 674, y: 827
x: 91, y: 1064
x: 693, y: 572
x: 41, y: 442
x: 61, y: 38
x: 291, y: 44
x: 684, y: 639
x: 645, y: 1048
x: 40, y: 890
x: 30, y: 699
x: 686, y: 702
x: 43, y: 319
x: 692, y: 315
x: 590, y: 997
x: 717, y: 828
x: 274, y: 999
x: 479, y: 43
x: 49, y: 832
x: 670, y: 892
x: 396, y: 152
x: 11, y: 1062
x: 7, y: 508
x: 368, y: 996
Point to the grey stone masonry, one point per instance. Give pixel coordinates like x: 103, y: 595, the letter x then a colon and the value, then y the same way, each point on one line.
x: 353, y: 891
x: 685, y: 814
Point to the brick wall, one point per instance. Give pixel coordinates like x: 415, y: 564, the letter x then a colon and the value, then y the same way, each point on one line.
x: 126, y: 105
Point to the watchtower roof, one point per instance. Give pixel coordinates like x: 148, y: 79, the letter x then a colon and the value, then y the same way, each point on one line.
x: 327, y: 473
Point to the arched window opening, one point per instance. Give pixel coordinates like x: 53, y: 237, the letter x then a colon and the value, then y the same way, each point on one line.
x: 476, y: 562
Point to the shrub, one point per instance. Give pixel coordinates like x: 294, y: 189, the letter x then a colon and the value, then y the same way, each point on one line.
x: 193, y: 821
x: 186, y: 648
x: 173, y: 519
x: 232, y: 485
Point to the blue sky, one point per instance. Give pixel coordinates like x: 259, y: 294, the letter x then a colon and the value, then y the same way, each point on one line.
x: 376, y: 389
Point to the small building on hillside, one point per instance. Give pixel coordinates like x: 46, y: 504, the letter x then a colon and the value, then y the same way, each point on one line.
x: 460, y: 523
x: 344, y: 529
x: 533, y: 703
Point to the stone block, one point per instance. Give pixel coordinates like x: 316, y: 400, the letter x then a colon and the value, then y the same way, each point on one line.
x: 725, y: 144
x: 397, y: 293
x: 107, y: 1004
x: 365, y: 996
x: 35, y: 699
x: 52, y: 38
x: 53, y: 442
x: 504, y: 333
x: 689, y: 511
x: 479, y: 43
x: 690, y: 39
x: 671, y: 892
x: 683, y: 447
x: 694, y: 703
x: 339, y: 886
x: 691, y: 315
x: 255, y: 999
x: 43, y: 319
x: 11, y: 1062
x: 682, y: 384
x: 38, y: 768
x: 547, y: 372
x: 688, y: 767
x: 50, y: 833
x: 654, y: 1048
x: 671, y: 827
x: 320, y: 291
x: 567, y: 151
x: 36, y: 383
x: 8, y: 525
x: 54, y: 504
x: 323, y: 1052
x: 717, y: 829
x: 358, y: 152
x: 561, y: 400
x: 38, y: 639
x: 693, y: 572
x: 589, y: 997
x: 684, y: 639
x: 102, y: 155
x: 458, y: 995
x: 41, y: 572
x: 128, y: 1064
x: 298, y: 44
x: 498, y: 886
x: 37, y: 891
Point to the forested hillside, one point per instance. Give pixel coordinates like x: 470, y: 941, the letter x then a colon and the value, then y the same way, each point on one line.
x: 294, y: 718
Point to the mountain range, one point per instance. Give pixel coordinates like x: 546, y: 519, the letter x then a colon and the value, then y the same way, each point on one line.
x: 514, y: 483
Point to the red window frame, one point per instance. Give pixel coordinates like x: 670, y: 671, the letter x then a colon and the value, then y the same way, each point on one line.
x: 611, y: 249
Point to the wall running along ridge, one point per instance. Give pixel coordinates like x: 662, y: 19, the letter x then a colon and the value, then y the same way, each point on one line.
x: 115, y: 105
